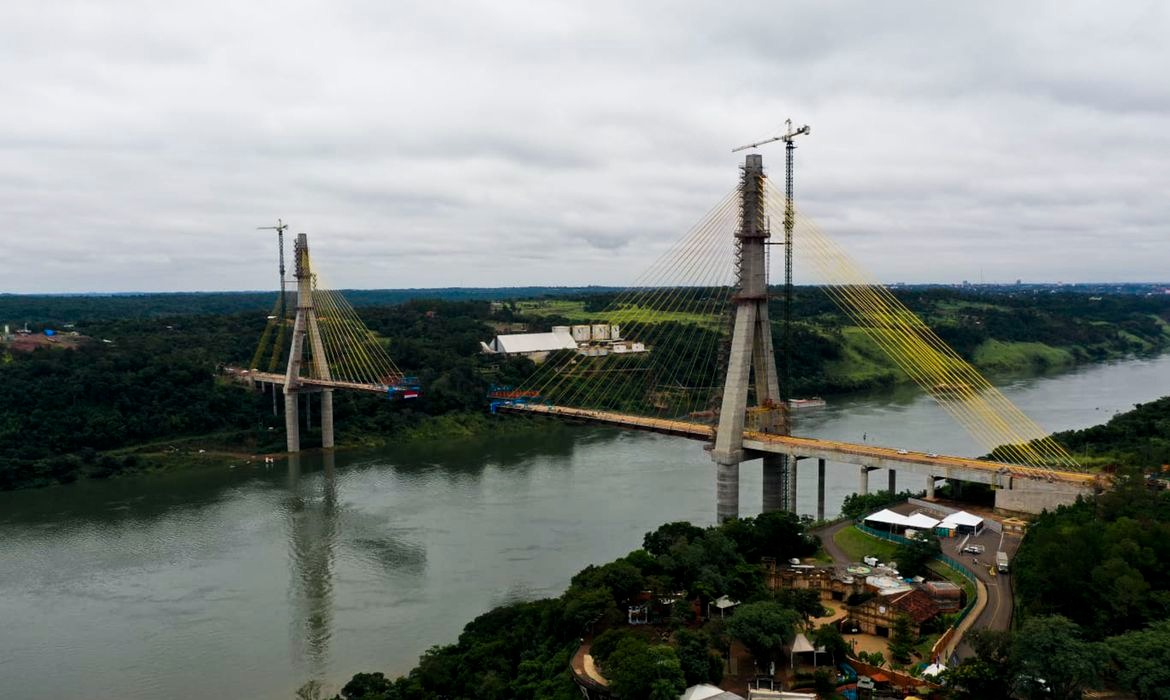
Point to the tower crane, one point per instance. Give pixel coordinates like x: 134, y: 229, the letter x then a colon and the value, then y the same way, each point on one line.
x: 280, y: 228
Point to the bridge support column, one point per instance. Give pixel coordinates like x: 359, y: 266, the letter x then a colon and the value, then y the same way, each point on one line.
x: 751, y: 358
x: 773, y: 482
x: 726, y: 491
x: 892, y: 474
x: 292, y: 421
x: 930, y: 487
x: 791, y: 505
x: 820, y: 489
x: 327, y: 418
x: 863, y: 480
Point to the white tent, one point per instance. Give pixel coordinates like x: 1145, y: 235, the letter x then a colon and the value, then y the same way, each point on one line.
x: 704, y: 691
x: 801, y: 645
x: 933, y: 670
x: 889, y: 518
x: 964, y: 521
x: 921, y: 521
x: 722, y: 603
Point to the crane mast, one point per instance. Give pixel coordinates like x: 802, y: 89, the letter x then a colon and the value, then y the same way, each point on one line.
x: 280, y: 228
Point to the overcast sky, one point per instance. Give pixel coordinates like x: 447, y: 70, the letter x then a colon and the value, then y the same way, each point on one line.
x: 495, y: 143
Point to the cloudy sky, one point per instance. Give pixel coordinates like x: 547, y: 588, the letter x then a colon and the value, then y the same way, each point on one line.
x: 496, y: 143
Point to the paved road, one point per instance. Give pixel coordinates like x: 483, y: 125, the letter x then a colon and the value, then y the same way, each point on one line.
x: 998, y: 613
x: 1000, y: 602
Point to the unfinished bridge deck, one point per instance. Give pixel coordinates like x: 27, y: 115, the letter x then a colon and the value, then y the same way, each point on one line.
x: 872, y: 456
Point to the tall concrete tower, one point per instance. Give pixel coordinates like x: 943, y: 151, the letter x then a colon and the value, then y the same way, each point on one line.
x: 306, y: 324
x: 751, y: 364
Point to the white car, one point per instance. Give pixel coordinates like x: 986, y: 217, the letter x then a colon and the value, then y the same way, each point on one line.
x: 974, y: 549
x: 903, y: 452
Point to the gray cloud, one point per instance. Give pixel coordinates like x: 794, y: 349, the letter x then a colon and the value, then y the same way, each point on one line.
x: 464, y: 143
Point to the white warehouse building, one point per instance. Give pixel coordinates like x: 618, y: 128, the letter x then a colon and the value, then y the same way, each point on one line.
x: 593, y: 340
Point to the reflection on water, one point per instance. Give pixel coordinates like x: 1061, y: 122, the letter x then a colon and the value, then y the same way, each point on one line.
x: 248, y: 581
x: 312, y: 527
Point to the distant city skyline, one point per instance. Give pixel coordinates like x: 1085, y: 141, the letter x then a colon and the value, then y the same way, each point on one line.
x: 484, y: 145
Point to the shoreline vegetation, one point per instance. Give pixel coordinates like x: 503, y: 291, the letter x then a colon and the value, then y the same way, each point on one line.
x: 141, y: 391
x: 1097, y: 635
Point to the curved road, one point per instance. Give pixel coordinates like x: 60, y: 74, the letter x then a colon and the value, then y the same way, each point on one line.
x: 997, y: 614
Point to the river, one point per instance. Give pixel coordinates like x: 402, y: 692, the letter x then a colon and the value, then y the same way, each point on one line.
x: 246, y: 582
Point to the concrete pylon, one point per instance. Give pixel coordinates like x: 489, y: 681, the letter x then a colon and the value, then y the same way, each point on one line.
x: 751, y: 362
x: 306, y: 324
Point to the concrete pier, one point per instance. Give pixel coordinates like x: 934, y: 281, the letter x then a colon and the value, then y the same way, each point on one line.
x: 791, y: 483
x: 893, y: 480
x: 863, y: 480
x: 773, y: 483
x: 820, y: 489
x: 751, y: 362
x: 292, y: 421
x: 930, y: 487
x: 327, y: 418
x: 726, y: 491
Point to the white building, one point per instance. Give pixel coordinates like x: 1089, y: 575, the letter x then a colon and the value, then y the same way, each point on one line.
x: 596, y: 340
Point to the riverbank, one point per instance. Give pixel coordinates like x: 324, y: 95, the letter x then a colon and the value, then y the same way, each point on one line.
x: 323, y: 567
x: 864, y: 366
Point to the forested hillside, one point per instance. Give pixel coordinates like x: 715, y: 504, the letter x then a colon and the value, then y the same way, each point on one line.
x: 144, y: 389
x: 156, y: 382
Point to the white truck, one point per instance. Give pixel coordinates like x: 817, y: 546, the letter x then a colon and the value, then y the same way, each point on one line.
x: 1001, y: 562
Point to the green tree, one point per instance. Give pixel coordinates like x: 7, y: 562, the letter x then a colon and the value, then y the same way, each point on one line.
x: 636, y: 670
x: 1139, y: 661
x: 991, y: 672
x: 666, y: 536
x: 366, y: 686
x: 913, y: 556
x: 829, y: 638
x: 1053, y: 649
x: 805, y: 601
x: 700, y: 663
x: 902, y: 639
x: 605, y: 643
x: 764, y: 628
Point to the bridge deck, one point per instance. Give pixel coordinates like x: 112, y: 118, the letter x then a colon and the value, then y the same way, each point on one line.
x: 852, y: 453
x: 273, y: 378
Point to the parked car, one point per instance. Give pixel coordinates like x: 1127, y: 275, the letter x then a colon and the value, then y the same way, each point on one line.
x: 974, y: 549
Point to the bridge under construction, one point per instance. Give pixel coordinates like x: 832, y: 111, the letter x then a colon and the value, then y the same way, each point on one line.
x: 703, y: 312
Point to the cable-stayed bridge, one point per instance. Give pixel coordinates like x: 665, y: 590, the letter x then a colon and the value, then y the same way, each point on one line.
x: 703, y: 312
x: 329, y: 348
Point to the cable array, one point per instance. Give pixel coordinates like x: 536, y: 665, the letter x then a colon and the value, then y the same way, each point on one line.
x: 350, y: 352
x: 954, y: 384
x: 675, y: 310
x: 353, y: 353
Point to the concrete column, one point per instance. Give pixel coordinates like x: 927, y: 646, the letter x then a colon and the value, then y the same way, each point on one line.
x: 893, y: 476
x: 820, y: 489
x: 930, y: 488
x: 773, y: 486
x: 292, y: 421
x: 308, y: 412
x: 726, y: 491
x: 327, y: 418
x: 792, y: 483
x: 863, y: 481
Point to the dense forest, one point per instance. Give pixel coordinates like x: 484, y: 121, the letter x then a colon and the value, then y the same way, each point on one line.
x: 144, y: 390
x: 1092, y: 580
x: 41, y: 310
